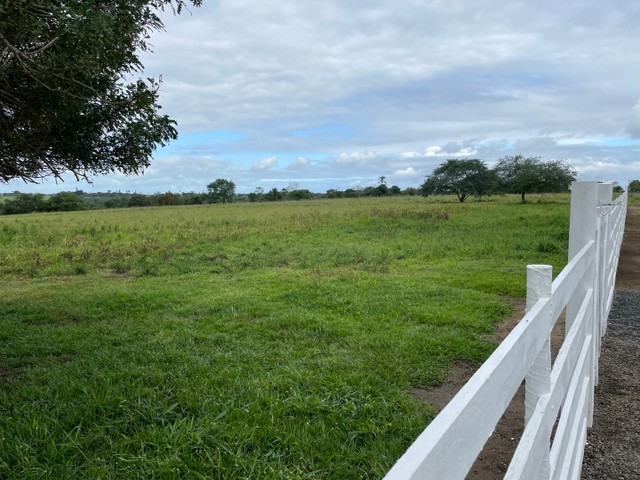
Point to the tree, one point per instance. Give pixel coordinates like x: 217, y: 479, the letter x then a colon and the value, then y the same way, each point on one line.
x: 192, y: 198
x: 64, y: 202
x: 460, y: 177
x: 168, y: 198
x: 273, y: 195
x: 352, y: 193
x: 115, y: 203
x: 24, y: 203
x: 634, y: 186
x: 300, y: 194
x: 139, y: 200
x: 378, y: 191
x: 222, y: 191
x: 65, y: 105
x: 257, y: 195
x: 522, y: 175
x: 382, y: 189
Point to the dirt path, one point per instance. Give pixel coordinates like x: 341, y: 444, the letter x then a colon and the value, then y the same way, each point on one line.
x: 613, y: 448
x: 628, y: 275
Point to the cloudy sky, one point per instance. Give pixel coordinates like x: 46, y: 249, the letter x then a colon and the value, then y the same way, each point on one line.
x: 330, y: 94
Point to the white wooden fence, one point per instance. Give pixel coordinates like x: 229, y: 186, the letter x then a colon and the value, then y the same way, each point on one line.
x: 558, y: 394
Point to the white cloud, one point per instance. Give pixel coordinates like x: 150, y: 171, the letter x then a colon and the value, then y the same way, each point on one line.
x: 200, y: 163
x: 408, y: 172
x: 449, y: 150
x: 434, y: 151
x: 299, y: 163
x: 265, y: 163
x: 364, y: 157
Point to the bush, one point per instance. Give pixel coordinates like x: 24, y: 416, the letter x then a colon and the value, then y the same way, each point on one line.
x: 24, y: 203
x: 64, y: 202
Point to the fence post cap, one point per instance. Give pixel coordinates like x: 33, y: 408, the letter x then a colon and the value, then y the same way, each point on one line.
x: 539, y: 267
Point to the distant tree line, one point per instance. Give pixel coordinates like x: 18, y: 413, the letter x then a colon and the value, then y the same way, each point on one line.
x: 379, y: 190
x: 460, y: 177
x: 17, y: 202
x: 219, y: 191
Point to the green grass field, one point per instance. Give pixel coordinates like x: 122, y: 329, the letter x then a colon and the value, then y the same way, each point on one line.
x: 274, y: 340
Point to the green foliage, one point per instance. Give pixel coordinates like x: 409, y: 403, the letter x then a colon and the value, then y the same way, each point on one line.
x: 272, y: 340
x: 274, y: 195
x: 166, y: 199
x: 256, y: 196
x: 379, y: 190
x: 29, y: 203
x: 300, y: 194
x: 64, y: 202
x: 65, y: 105
x: 221, y: 191
x: 531, y: 175
x: 634, y: 186
x: 24, y: 203
x: 138, y: 200
x: 462, y: 178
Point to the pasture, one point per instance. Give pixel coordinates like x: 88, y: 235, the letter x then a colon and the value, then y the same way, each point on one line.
x: 275, y: 340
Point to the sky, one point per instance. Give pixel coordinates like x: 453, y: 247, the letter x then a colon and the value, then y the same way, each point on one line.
x: 321, y: 95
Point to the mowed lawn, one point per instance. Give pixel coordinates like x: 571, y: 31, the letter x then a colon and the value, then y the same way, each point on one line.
x: 274, y: 340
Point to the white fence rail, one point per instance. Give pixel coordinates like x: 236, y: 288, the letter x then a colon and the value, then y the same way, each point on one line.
x: 558, y: 394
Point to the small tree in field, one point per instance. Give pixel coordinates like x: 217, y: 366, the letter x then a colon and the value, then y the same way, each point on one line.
x: 274, y: 195
x: 300, y: 194
x: 139, y: 200
x: 64, y: 202
x: 221, y: 191
x: 462, y: 178
x: 634, y: 186
x: 168, y: 198
x: 519, y: 174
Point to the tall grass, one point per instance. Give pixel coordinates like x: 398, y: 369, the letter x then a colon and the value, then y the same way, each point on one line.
x: 272, y: 340
x: 634, y: 199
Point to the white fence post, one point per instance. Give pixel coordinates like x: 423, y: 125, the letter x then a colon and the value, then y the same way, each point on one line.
x: 605, y: 196
x: 583, y: 227
x: 538, y: 381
